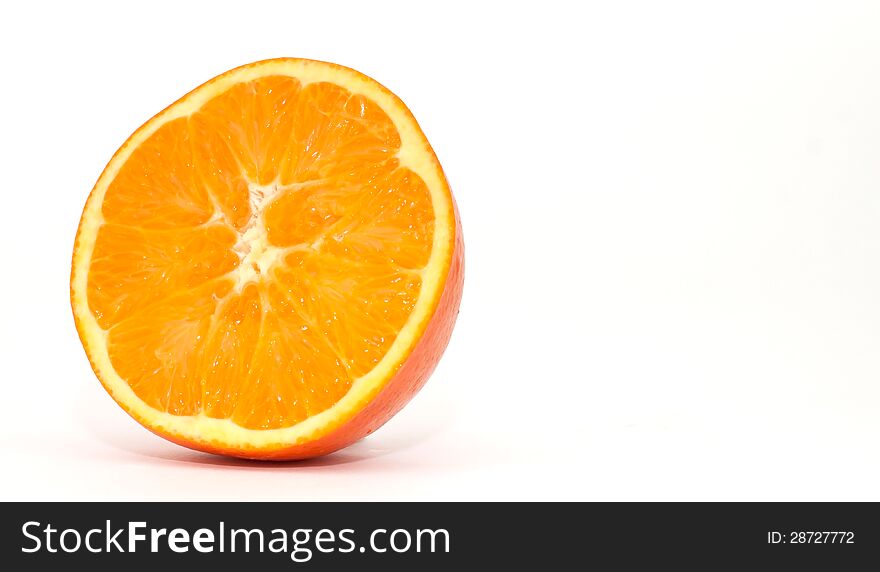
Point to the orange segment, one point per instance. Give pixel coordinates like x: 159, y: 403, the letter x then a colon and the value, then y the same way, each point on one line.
x: 392, y: 224
x: 157, y: 351
x: 357, y: 307
x: 218, y: 172
x: 228, y: 351
x: 339, y: 135
x: 255, y: 119
x: 315, y: 207
x: 155, y: 187
x: 262, y: 257
x: 294, y: 373
x: 134, y: 267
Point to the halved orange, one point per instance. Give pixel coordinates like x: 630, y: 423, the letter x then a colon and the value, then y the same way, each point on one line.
x: 272, y: 266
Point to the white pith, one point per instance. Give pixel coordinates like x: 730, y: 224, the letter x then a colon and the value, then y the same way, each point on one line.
x: 253, y: 246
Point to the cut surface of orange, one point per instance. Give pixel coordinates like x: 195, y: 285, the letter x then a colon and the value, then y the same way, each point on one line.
x: 270, y: 267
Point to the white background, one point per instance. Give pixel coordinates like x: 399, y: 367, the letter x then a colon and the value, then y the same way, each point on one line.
x: 673, y: 250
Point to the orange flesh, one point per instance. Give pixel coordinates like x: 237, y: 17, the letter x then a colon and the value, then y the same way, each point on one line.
x: 204, y: 317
